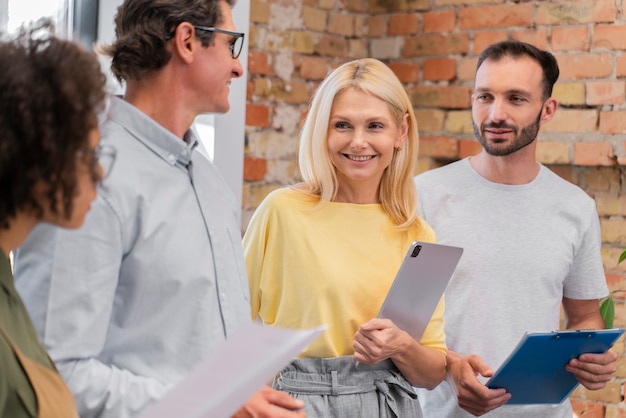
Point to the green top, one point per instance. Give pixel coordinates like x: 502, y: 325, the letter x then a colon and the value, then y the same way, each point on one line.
x: 17, y: 398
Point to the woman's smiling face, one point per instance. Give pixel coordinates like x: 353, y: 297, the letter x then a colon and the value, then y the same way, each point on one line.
x: 362, y: 136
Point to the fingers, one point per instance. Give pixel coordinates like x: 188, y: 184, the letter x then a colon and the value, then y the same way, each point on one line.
x: 376, y: 324
x: 477, y: 399
x: 479, y: 365
x: 472, y: 395
x: 366, y: 350
x: 478, y: 406
x: 593, y: 370
x: 281, y: 399
x: 377, y: 340
x: 271, y: 403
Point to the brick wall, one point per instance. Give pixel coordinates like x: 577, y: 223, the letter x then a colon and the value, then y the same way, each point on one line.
x: 432, y: 46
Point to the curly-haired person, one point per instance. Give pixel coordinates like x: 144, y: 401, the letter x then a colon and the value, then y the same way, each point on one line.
x: 51, y: 92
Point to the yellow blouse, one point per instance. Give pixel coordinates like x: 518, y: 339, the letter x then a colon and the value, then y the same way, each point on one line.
x: 330, y: 265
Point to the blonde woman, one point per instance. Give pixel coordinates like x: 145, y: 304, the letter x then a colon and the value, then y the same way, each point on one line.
x: 325, y: 251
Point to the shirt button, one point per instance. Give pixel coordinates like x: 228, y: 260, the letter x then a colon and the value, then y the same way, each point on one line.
x: 171, y: 158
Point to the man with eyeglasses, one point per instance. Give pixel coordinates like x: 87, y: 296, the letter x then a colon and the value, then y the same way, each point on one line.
x: 155, y: 280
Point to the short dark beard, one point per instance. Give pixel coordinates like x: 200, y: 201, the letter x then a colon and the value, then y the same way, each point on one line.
x: 526, y: 137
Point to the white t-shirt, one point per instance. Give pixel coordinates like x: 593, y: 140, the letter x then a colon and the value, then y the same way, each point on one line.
x: 525, y: 248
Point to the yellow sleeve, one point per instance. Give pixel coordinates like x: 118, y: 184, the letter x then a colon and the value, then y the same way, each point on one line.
x: 254, y: 246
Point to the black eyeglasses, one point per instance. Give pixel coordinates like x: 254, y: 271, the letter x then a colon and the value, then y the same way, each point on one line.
x: 236, y: 44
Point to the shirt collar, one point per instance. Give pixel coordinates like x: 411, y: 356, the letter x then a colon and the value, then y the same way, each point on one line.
x: 161, y: 141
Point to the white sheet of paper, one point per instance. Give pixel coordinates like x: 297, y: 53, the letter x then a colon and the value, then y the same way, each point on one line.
x: 220, y: 385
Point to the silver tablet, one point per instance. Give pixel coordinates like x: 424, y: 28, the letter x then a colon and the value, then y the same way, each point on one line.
x: 419, y: 285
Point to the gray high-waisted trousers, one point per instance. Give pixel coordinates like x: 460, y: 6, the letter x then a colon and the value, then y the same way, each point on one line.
x: 338, y: 388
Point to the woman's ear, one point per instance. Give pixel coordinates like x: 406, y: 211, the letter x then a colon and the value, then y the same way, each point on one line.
x: 404, y: 131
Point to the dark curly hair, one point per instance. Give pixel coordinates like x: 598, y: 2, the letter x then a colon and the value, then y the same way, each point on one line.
x: 51, y: 92
x: 142, y: 28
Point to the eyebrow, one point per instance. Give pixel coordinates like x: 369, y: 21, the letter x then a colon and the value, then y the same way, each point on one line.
x: 510, y: 92
x: 351, y: 118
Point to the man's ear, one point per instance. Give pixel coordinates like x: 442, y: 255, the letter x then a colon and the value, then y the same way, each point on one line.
x: 183, y: 44
x: 549, y: 109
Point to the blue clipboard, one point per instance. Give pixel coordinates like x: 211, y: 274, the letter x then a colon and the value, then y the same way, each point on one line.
x: 535, y: 372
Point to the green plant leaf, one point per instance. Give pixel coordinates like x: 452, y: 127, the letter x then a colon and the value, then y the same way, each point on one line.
x: 607, y: 310
x: 622, y: 256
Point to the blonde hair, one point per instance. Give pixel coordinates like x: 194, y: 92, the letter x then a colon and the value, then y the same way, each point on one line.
x: 397, y: 191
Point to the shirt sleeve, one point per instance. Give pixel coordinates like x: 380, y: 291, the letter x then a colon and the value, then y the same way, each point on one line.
x: 254, y: 245
x: 586, y: 278
x: 68, y: 280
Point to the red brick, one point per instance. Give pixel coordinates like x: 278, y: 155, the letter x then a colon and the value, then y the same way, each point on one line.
x: 259, y: 11
x: 314, y: 68
x: 620, y: 66
x: 579, y: 66
x: 341, y: 24
x: 606, y: 92
x: 403, y: 24
x: 447, y: 97
x: 406, y: 71
x: 429, y: 120
x: 613, y: 123
x: 467, y: 148
x: 466, y: 69
x: 501, y: 16
x: 485, y: 38
x: 314, y: 19
x: 254, y: 169
x: 257, y: 115
x: 376, y: 7
x: 359, y: 6
x: 536, y: 37
x: 572, y: 120
x: 334, y: 46
x: 566, y: 172
x: 575, y: 11
x: 439, y: 21
x: 376, y: 26
x: 593, y: 153
x: 258, y: 63
x: 570, y: 38
x: 609, y: 37
x: 616, y: 281
x: 436, y: 44
x: 439, y: 69
x: 438, y: 147
x: 587, y: 409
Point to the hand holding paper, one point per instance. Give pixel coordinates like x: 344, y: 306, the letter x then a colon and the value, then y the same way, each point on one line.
x: 218, y: 387
x: 273, y: 402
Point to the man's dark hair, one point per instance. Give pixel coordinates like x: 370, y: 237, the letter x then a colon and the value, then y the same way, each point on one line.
x: 142, y: 28
x: 517, y: 49
x: 51, y: 92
